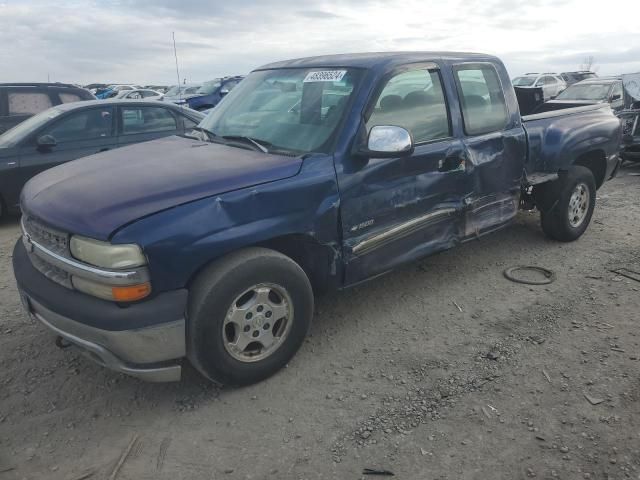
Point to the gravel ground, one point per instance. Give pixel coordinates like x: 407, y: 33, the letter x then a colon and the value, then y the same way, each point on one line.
x: 440, y: 370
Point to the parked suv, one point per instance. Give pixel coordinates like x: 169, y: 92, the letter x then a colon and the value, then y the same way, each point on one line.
x: 551, y: 83
x: 19, y: 101
x: 211, y: 92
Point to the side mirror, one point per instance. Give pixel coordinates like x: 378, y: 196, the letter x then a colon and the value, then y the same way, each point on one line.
x: 46, y: 142
x: 224, y: 91
x: 388, y: 141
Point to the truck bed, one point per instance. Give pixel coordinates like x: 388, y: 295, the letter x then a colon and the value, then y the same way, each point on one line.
x: 556, y: 139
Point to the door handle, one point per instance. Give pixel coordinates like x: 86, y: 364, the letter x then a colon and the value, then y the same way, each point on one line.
x: 103, y: 149
x: 451, y: 163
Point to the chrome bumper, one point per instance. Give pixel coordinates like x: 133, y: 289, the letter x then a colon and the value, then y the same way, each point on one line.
x: 142, y: 353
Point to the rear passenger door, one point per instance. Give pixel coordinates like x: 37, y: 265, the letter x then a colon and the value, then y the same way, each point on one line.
x: 397, y: 209
x: 140, y: 123
x: 77, y: 134
x: 495, y: 146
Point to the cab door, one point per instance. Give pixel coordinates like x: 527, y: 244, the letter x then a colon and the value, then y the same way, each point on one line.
x: 395, y: 210
x: 75, y: 135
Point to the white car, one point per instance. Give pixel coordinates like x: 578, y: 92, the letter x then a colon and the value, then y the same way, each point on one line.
x: 139, y: 94
x: 551, y: 83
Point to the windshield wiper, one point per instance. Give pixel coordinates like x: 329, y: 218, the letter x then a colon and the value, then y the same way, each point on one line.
x: 260, y: 144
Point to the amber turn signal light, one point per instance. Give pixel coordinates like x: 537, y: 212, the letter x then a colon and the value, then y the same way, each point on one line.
x: 131, y: 293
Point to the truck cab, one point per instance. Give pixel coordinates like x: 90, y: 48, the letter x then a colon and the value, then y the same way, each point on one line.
x: 312, y: 174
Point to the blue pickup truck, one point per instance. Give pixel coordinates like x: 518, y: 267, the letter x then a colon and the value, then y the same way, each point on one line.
x: 312, y: 174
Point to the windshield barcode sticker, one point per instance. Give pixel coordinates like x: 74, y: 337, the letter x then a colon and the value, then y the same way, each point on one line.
x: 325, y: 76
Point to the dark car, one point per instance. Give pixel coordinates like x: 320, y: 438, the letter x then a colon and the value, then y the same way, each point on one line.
x: 19, y: 101
x: 75, y: 130
x: 323, y: 172
x: 211, y: 92
x: 588, y: 92
x: 574, y: 77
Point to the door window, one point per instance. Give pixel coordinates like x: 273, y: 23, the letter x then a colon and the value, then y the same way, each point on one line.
x: 30, y: 103
x: 616, y: 92
x: 147, y: 120
x: 84, y: 125
x: 482, y: 100
x: 413, y: 100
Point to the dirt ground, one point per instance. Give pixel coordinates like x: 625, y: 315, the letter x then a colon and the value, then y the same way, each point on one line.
x: 441, y: 370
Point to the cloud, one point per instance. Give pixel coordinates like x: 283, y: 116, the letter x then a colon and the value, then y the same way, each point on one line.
x: 87, y: 41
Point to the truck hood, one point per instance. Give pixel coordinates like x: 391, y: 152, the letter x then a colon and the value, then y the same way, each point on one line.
x: 96, y: 195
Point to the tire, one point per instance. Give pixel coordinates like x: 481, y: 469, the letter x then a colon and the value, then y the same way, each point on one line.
x: 256, y: 281
x: 570, y: 201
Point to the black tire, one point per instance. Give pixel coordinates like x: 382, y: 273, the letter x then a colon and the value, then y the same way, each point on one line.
x: 213, y: 294
x: 556, y: 204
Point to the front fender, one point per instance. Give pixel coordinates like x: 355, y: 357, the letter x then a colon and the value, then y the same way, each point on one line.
x: 180, y: 241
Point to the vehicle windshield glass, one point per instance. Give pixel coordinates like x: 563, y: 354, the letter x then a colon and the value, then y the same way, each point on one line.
x: 296, y: 110
x: 14, y: 135
x: 208, y: 88
x: 585, y: 91
x: 523, y: 81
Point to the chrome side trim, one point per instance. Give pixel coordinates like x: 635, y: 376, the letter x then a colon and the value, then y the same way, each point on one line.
x: 73, y: 267
x: 400, y: 231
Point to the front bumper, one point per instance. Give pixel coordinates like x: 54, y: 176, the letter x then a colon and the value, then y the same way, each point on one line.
x: 145, y: 340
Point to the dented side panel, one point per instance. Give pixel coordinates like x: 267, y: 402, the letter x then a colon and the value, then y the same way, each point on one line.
x: 182, y: 240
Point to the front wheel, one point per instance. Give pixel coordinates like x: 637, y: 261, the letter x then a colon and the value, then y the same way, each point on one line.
x: 572, y: 199
x: 248, y: 315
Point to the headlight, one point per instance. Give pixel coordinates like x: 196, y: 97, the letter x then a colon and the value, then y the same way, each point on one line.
x: 106, y: 255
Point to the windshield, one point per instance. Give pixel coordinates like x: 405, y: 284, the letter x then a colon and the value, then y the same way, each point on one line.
x: 208, y: 88
x: 523, y: 81
x: 14, y: 135
x: 295, y: 110
x: 585, y: 91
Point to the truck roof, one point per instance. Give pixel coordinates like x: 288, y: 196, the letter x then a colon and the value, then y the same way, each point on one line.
x: 375, y: 59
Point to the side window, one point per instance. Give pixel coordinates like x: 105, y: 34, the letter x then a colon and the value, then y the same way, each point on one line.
x: 69, y: 97
x: 413, y: 100
x: 550, y: 81
x: 482, y: 100
x: 84, y: 125
x: 617, y: 91
x: 147, y: 120
x: 21, y: 103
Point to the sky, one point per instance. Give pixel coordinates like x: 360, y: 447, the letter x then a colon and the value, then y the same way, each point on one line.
x: 130, y: 41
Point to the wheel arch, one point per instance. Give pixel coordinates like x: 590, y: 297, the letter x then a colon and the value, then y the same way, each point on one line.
x: 320, y: 262
x: 596, y: 161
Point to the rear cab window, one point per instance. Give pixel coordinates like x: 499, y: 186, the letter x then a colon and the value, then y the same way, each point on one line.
x: 482, y: 99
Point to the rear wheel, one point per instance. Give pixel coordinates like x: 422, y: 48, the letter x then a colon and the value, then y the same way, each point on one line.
x: 570, y: 202
x: 248, y: 315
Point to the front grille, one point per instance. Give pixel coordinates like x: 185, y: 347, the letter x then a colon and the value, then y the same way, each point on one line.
x: 52, y: 272
x: 53, y: 240
x: 50, y: 238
